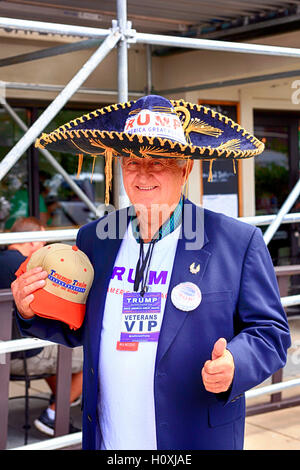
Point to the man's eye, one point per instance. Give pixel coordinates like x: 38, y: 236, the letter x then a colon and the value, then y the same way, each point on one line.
x: 157, y: 165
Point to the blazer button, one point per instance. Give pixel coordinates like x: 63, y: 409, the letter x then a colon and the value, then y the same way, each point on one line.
x: 92, y: 371
x: 90, y: 418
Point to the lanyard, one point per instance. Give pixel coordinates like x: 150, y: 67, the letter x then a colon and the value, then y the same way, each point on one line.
x: 167, y: 227
x: 142, y: 266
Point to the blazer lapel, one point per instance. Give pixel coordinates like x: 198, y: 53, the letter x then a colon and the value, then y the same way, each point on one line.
x: 173, y: 317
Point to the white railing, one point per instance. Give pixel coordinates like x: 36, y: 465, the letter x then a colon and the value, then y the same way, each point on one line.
x: 70, y: 440
x: 269, y: 389
x: 71, y: 234
x: 61, y: 442
x: 22, y: 344
x: 37, y: 236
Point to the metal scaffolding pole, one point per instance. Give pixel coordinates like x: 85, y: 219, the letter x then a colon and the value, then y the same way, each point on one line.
x: 122, y: 51
x: 58, y: 88
x: 260, y: 220
x: 287, y: 205
x: 213, y: 45
x: 122, y: 88
x: 145, y: 38
x: 149, y: 69
x: 53, y: 162
x: 53, y: 28
x: 50, y: 52
x: 15, y: 153
x: 231, y: 82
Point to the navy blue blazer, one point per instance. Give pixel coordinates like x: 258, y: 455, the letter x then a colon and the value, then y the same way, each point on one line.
x: 240, y: 302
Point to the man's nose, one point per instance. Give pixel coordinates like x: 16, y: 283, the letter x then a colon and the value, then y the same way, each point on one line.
x: 144, y: 169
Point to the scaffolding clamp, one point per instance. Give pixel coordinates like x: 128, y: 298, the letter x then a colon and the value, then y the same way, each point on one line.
x: 128, y: 34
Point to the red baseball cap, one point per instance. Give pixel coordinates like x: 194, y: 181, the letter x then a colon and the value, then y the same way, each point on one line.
x: 70, y: 276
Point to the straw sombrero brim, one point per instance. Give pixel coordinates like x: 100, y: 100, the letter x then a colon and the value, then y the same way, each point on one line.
x: 210, y: 135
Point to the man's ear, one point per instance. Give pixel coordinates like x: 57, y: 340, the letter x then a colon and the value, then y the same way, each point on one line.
x: 190, y: 166
x: 187, y: 169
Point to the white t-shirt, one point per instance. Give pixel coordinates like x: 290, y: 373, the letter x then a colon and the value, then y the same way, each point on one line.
x: 126, y: 396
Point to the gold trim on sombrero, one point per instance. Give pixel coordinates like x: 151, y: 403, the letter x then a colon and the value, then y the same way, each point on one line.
x: 232, y: 144
x: 157, y: 109
x: 157, y: 152
x: 195, y: 125
x: 108, y: 153
x: 152, y: 152
x: 210, y: 171
x: 221, y: 117
x: 53, y: 136
x: 83, y: 150
x: 80, y: 161
x: 66, y: 131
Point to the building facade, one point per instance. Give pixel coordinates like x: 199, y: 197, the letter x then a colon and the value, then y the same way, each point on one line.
x: 261, y: 92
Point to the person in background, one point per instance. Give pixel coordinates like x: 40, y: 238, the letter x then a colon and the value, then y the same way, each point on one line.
x: 20, y: 207
x: 39, y: 361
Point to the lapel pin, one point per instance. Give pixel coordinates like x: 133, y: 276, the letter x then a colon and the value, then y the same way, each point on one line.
x: 186, y: 296
x: 194, y: 269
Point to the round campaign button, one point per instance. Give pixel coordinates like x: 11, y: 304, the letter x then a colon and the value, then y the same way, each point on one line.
x: 186, y: 296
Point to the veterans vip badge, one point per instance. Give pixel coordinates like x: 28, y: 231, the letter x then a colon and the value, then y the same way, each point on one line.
x: 186, y: 296
x: 141, y: 317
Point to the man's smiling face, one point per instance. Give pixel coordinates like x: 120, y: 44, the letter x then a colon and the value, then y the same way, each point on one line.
x: 153, y: 181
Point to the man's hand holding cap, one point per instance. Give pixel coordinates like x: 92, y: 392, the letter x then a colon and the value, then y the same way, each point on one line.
x: 54, y: 283
x: 24, y: 286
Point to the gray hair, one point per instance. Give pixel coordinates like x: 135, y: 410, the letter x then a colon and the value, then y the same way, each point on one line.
x: 181, y: 162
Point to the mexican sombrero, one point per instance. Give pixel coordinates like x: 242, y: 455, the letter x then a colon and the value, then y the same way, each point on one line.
x: 153, y: 126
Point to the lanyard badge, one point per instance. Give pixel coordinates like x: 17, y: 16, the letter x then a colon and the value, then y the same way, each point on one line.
x: 141, y: 311
x: 141, y: 317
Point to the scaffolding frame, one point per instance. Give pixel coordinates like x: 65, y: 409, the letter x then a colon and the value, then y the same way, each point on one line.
x: 121, y: 35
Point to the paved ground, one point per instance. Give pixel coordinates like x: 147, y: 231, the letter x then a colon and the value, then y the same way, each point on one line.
x: 16, y: 413
x: 277, y: 430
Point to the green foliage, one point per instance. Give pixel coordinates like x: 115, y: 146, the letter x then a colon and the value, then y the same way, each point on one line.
x: 271, y: 180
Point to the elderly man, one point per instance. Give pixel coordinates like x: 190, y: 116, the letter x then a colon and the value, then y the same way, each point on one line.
x: 184, y: 313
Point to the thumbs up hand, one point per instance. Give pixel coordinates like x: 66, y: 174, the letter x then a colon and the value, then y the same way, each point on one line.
x: 217, y: 373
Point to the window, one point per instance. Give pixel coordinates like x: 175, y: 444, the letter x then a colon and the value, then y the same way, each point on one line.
x: 34, y: 180
x: 276, y: 173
